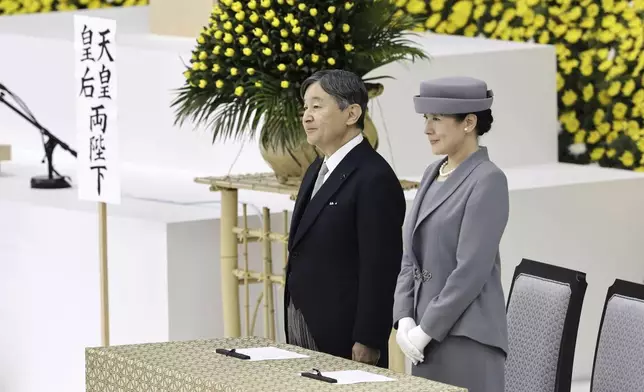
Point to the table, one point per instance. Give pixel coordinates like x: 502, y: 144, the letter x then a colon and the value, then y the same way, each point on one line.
x: 194, y: 366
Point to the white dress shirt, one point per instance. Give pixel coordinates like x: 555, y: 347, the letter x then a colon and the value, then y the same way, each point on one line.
x: 334, y: 160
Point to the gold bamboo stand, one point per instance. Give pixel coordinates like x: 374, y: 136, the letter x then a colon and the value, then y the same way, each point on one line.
x: 232, y: 236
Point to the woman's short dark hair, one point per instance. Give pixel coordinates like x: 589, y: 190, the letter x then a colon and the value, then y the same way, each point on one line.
x: 345, y: 87
x: 484, y: 120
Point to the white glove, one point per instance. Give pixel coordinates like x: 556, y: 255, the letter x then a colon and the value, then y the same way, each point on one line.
x: 418, y: 338
x: 405, y: 325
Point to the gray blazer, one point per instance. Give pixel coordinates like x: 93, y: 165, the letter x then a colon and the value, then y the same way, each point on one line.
x: 450, y: 280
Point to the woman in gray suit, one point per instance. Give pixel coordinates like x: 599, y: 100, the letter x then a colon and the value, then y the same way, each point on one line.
x: 449, y: 307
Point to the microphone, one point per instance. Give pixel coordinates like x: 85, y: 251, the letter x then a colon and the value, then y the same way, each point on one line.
x: 49, y: 181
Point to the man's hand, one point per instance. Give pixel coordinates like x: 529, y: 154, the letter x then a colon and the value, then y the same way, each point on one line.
x: 364, y: 354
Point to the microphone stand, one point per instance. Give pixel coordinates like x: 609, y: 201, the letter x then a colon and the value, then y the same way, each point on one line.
x: 49, y: 181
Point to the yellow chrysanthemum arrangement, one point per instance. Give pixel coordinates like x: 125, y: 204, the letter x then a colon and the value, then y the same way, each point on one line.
x: 13, y: 7
x: 250, y: 60
x: 600, y: 79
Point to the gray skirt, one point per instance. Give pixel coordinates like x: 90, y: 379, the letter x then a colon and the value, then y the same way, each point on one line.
x: 464, y: 363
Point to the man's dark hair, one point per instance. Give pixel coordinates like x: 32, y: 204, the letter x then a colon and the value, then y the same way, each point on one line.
x: 345, y: 87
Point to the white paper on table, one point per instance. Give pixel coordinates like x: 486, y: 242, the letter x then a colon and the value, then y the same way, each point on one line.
x: 356, y: 376
x: 269, y: 353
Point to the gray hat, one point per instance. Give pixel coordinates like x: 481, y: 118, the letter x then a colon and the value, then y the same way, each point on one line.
x: 453, y: 95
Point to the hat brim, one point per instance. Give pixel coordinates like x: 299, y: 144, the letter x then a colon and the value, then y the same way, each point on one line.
x: 450, y: 105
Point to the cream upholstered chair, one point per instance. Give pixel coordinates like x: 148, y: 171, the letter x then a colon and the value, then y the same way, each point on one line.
x: 619, y: 355
x: 543, y: 310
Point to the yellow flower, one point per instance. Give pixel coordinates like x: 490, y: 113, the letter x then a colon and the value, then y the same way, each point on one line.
x: 250, y: 71
x: 281, y: 67
x: 298, y: 47
x: 284, y: 47
x: 580, y: 136
x: 614, y: 88
x: 284, y: 84
x: 611, y: 153
x: 264, y: 39
x: 313, y: 11
x: 328, y: 26
x: 275, y: 22
x: 569, y: 98
x: 629, y: 87
x: 201, y: 40
x: 594, y: 137
x: 267, y: 51
x: 203, y: 83
x: 627, y: 159
x: 296, y: 30
x: 315, y: 58
x: 252, y: 4
x: 254, y: 17
x: 219, y: 34
x: 300, y: 61
x: 240, y: 16
x: 239, y: 90
x: 219, y: 83
x: 284, y: 33
x: 348, y: 47
x: 230, y: 52
x: 589, y: 90
x: 560, y: 81
x: 311, y: 33
x: 233, y: 71
x: 348, y: 5
x: 228, y: 38
x: 302, y: 7
x: 597, y: 153
x: 346, y: 28
x: 203, y: 55
x: 187, y: 74
x: 619, y: 110
x: 323, y: 38
x: 239, y: 29
x: 243, y: 40
x: 236, y: 6
x: 257, y: 32
x: 331, y: 61
x: 266, y: 3
x: 216, y: 49
x: 247, y: 51
x: 228, y: 25
x: 331, y: 9
x: 215, y: 68
x: 258, y: 84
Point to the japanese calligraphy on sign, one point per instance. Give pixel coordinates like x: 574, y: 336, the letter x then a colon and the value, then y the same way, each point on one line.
x: 96, y: 109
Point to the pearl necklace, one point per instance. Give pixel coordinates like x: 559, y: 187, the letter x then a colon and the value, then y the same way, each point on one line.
x: 442, y: 167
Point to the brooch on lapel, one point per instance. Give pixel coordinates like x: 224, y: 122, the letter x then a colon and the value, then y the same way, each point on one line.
x: 424, y: 275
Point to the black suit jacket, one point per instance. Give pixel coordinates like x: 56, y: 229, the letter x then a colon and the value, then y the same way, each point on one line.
x: 345, y: 252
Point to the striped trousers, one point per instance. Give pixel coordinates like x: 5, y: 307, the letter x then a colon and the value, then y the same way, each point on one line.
x: 298, y: 331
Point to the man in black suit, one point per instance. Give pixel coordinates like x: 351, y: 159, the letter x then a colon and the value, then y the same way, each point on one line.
x: 345, y: 243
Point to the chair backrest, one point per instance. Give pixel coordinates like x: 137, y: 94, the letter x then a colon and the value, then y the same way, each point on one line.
x: 543, y: 310
x: 619, y: 354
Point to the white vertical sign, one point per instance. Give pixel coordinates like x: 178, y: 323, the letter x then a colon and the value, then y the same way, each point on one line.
x: 99, y: 176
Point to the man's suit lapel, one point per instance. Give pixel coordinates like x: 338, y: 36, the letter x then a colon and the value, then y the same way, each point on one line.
x: 303, y: 197
x: 335, y: 181
x: 449, y: 186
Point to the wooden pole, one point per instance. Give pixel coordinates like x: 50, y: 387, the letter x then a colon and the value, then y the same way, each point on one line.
x: 269, y: 307
x: 396, y: 356
x: 228, y: 263
x: 102, y: 244
x: 246, y: 285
